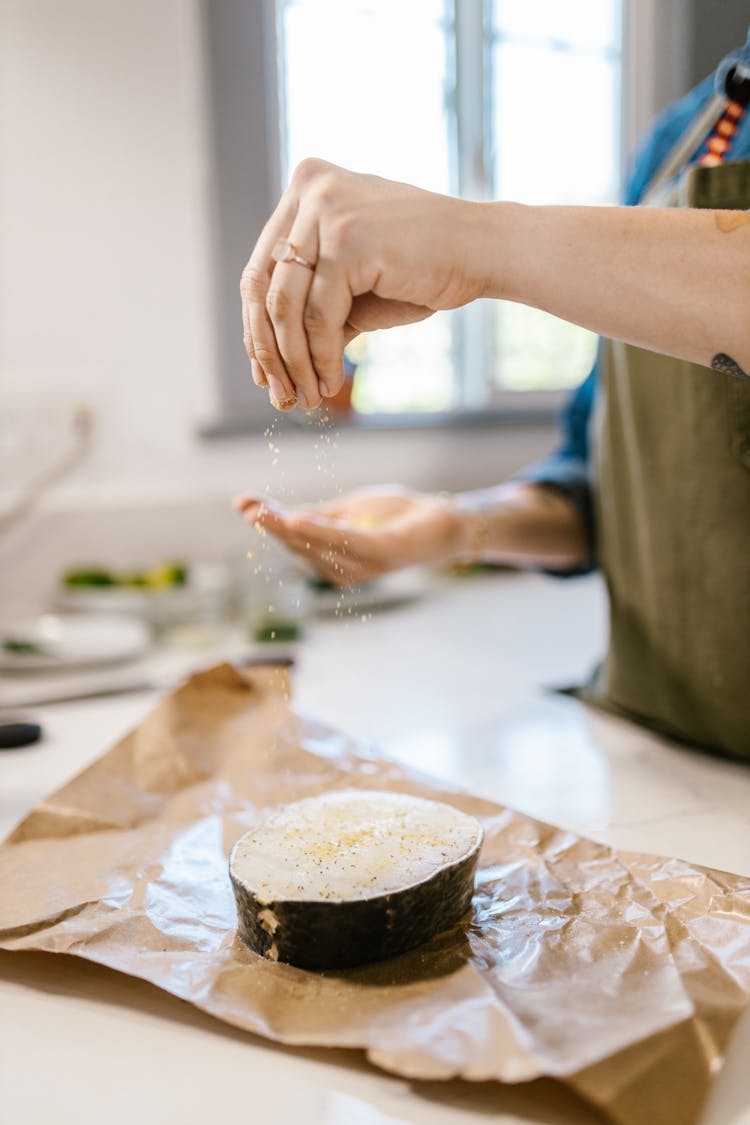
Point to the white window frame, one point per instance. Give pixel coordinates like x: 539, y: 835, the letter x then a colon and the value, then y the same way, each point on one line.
x: 242, y: 79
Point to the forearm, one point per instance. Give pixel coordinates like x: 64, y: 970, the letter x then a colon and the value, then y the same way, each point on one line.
x: 671, y: 280
x: 523, y: 524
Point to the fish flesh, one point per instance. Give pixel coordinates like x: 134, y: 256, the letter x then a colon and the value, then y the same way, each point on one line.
x: 353, y: 876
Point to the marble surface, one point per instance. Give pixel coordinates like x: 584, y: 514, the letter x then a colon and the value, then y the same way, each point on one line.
x: 457, y: 684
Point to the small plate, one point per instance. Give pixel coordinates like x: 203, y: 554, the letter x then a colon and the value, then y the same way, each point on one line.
x: 50, y: 642
x: 155, y: 606
x: 204, y: 594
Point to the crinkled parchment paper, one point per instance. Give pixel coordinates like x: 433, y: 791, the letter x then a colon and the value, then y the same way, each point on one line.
x: 619, y: 974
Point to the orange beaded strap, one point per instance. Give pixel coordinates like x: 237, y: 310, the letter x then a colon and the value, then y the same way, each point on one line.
x: 721, y: 138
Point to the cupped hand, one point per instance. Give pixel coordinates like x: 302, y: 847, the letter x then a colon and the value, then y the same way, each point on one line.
x: 366, y: 533
x: 370, y: 253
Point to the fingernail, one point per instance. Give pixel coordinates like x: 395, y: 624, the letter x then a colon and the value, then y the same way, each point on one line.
x: 259, y: 377
x: 324, y: 388
x: 301, y: 399
x: 280, y: 397
x: 285, y: 404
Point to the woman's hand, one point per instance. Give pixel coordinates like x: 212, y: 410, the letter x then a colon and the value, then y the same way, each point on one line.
x: 366, y: 533
x: 344, y: 253
x: 374, y: 254
x: 369, y: 532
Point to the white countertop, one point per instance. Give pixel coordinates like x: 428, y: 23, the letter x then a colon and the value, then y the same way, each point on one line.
x: 455, y: 685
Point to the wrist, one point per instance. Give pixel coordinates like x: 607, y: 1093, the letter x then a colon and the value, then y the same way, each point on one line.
x: 478, y: 528
x: 505, y: 250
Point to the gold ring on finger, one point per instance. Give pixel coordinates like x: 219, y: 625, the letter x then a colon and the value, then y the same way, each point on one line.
x: 286, y: 251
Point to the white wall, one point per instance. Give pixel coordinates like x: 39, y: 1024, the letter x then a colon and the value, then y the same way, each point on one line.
x: 103, y: 276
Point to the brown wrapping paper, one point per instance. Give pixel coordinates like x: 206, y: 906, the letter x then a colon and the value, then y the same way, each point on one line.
x: 619, y: 974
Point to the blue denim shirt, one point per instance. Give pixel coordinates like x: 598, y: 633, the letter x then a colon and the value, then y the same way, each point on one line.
x: 567, y: 469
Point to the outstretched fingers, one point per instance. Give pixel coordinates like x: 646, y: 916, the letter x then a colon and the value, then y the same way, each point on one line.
x: 342, y: 554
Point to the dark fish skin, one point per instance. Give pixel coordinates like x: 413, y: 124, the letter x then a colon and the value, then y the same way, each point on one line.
x: 340, y: 935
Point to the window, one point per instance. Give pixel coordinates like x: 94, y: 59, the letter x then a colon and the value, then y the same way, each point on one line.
x: 554, y: 71
x: 495, y: 99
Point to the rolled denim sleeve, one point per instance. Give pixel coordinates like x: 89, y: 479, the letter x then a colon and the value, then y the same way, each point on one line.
x: 567, y: 469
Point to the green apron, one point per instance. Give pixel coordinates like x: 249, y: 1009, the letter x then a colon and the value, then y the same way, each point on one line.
x: 672, y: 514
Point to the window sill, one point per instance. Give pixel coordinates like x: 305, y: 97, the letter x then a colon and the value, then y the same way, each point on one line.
x: 535, y: 410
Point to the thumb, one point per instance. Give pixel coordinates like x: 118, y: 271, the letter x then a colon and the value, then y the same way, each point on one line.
x: 369, y: 312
